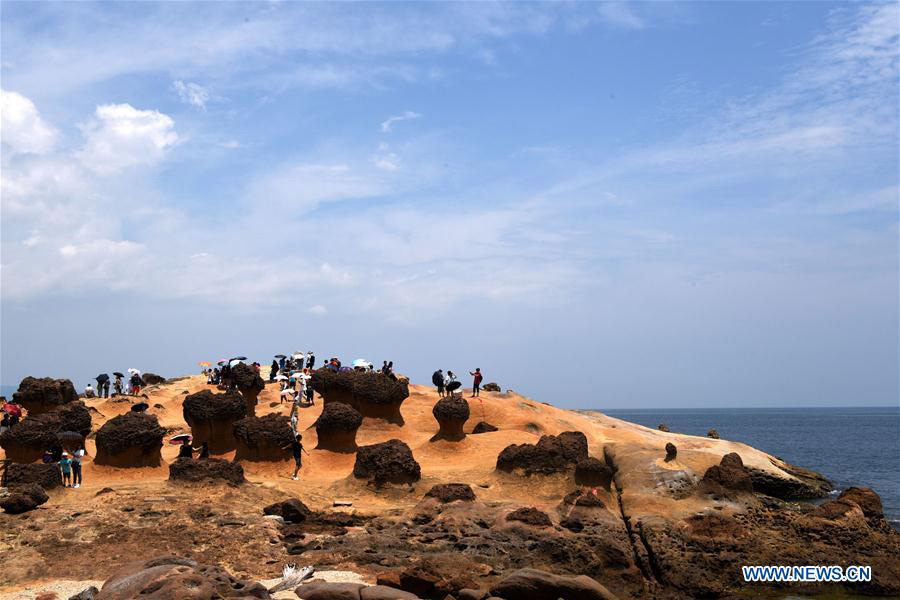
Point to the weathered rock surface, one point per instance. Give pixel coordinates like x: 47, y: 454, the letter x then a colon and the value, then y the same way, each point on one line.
x: 491, y: 387
x: 530, y: 516
x: 23, y: 497
x: 388, y: 462
x: 249, y: 383
x: 266, y: 438
x: 329, y: 591
x: 291, y: 510
x: 206, y: 470
x: 451, y: 414
x: 27, y: 441
x: 130, y: 440
x: 373, y: 395
x: 533, y: 584
x: 212, y: 418
x: 172, y: 578
x: 450, y: 492
x: 483, y: 427
x: 552, y: 454
x: 336, y: 427
x: 47, y: 476
x: 728, y: 477
x: 152, y: 379
x: 44, y: 394
x: 593, y: 472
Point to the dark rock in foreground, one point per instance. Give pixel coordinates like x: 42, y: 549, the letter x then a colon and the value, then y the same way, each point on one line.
x: 491, y: 387
x: 593, y: 472
x: 483, y: 427
x: 172, y: 578
x: 27, y: 441
x: 206, y: 470
x: 152, y: 379
x: 249, y: 384
x: 388, y: 462
x: 40, y: 395
x: 266, y: 438
x: 373, y: 395
x: 212, y: 418
x: 23, y: 498
x: 130, y: 440
x: 449, y: 492
x: 552, y: 454
x: 336, y: 427
x: 47, y: 476
x: 530, y: 516
x: 291, y: 510
x: 533, y: 584
x: 729, y: 476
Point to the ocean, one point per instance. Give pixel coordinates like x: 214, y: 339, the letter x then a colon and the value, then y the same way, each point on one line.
x: 850, y: 446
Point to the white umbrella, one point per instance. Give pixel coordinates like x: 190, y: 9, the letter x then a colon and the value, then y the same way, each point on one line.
x: 235, y: 362
x: 280, y: 378
x: 134, y: 371
x: 297, y: 355
x: 361, y: 362
x: 287, y: 392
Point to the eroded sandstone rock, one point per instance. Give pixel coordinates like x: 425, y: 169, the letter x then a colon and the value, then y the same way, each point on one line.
x: 265, y: 438
x: 336, y: 427
x: 212, y: 418
x: 373, y: 395
x: 388, y: 462
x: 44, y: 394
x: 552, y: 454
x: 249, y: 383
x: 130, y: 440
x: 451, y: 413
x: 206, y: 470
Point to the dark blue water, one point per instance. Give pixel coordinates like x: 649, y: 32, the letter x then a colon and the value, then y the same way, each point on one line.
x: 850, y: 446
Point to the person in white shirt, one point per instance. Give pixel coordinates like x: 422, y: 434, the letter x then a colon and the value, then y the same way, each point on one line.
x: 76, y: 467
x: 89, y: 391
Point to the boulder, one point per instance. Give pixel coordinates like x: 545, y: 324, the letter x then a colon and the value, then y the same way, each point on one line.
x: 530, y: 516
x: 172, y: 578
x: 249, y: 383
x: 436, y: 576
x: 329, y: 591
x: 663, y: 427
x: 552, y: 454
x: 451, y: 414
x: 671, y: 452
x: 491, y: 387
x: 206, y: 470
x: 483, y: 427
x: 388, y: 462
x: 212, y: 418
x: 383, y: 592
x: 728, y: 476
x: 797, y: 483
x: 868, y: 501
x: 75, y: 416
x: 336, y: 427
x: 266, y: 438
x: 449, y: 492
x: 47, y: 476
x: 130, y: 440
x: 152, y: 379
x: 23, y: 497
x: 88, y: 593
x: 44, y: 394
x: 712, y: 433
x: 27, y: 441
x: 593, y: 472
x: 583, y: 498
x: 533, y: 584
x: 373, y: 395
x: 291, y: 510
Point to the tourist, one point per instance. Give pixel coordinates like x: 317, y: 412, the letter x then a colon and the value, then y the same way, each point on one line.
x: 309, y: 394
x: 298, y: 450
x: 76, y: 464
x: 204, y: 450
x: 136, y: 384
x: 65, y: 465
x: 102, y: 385
x: 384, y: 368
x: 286, y: 393
x: 117, y: 386
x: 476, y: 384
x: 294, y: 415
x: 88, y: 391
x: 273, y: 370
x: 437, y: 378
x: 186, y: 451
x: 310, y: 360
x: 4, y: 423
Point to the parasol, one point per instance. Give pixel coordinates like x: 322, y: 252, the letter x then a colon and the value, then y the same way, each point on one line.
x: 234, y: 361
x: 453, y: 385
x: 117, y: 374
x: 102, y: 377
x: 221, y: 362
x: 67, y: 439
x: 361, y: 362
x: 280, y: 378
x: 239, y: 358
x: 182, y: 438
x: 280, y: 356
x: 297, y: 355
x: 12, y: 409
x: 205, y: 363
x: 287, y: 392
x: 135, y: 371
x: 140, y: 407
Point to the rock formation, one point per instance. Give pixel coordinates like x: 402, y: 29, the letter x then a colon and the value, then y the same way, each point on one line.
x: 336, y: 427
x: 23, y: 498
x: 27, y: 441
x: 371, y: 394
x: 534, y: 584
x: 46, y: 475
x: 152, y: 379
x: 727, y: 478
x: 491, y: 387
x: 663, y: 427
x: 593, y: 472
x: 712, y: 433
x: 212, y: 418
x: 530, y: 516
x: 40, y: 395
x: 130, y: 440
x: 249, y: 384
x: 291, y: 510
x: 171, y: 578
x: 450, y: 492
x: 483, y: 427
x: 74, y: 416
x: 206, y: 470
x: 671, y: 452
x: 451, y: 414
x: 388, y: 462
x: 552, y: 454
x: 264, y: 438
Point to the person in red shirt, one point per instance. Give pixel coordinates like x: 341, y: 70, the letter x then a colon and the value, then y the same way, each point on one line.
x: 476, y: 385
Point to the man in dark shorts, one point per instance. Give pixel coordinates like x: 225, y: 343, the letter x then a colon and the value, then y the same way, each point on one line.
x: 298, y: 450
x: 476, y: 384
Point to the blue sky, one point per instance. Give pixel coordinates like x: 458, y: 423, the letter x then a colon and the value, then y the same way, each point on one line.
x: 599, y: 204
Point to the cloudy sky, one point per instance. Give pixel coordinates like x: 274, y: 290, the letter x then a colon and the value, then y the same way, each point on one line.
x: 600, y: 205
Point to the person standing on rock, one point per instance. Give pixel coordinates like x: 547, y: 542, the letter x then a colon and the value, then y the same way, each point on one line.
x: 65, y: 465
x: 476, y: 383
x: 310, y: 360
x: 88, y: 391
x: 298, y: 450
x: 117, y: 386
x: 273, y: 370
x: 136, y: 384
x: 76, y: 464
x: 102, y: 385
x: 437, y: 378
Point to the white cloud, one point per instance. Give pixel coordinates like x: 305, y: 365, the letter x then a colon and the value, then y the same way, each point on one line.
x: 22, y: 129
x: 121, y: 136
x: 387, y: 126
x: 620, y: 14
x: 317, y: 309
x: 386, y: 160
x: 192, y: 93
x: 230, y: 144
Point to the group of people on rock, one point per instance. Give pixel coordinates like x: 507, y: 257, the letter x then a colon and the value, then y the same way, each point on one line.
x: 129, y: 386
x: 445, y: 383
x: 12, y: 412
x: 298, y: 361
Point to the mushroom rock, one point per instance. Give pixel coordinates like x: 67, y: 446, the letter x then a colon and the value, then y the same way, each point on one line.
x: 593, y: 472
x: 249, y: 384
x: 663, y: 427
x: 552, y: 454
x: 729, y: 475
x: 336, y: 427
x: 23, y: 498
x: 75, y: 416
x: 371, y: 394
x: 451, y: 414
x: 712, y: 433
x: 212, y: 417
x: 46, y: 475
x: 263, y: 438
x: 530, y: 516
x: 169, y: 577
x: 40, y: 395
x: 130, y: 440
x: 388, y: 462
x: 483, y: 427
x: 449, y: 492
x: 671, y: 451
x: 27, y: 441
x: 206, y: 469
x: 491, y: 387
x: 152, y: 379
